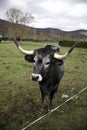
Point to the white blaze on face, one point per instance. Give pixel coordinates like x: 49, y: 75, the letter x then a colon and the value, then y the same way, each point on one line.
x: 42, y: 62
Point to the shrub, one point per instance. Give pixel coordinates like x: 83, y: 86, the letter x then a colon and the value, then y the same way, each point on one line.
x: 67, y: 43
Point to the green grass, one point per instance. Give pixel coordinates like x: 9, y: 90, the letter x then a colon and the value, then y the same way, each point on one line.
x: 20, y: 97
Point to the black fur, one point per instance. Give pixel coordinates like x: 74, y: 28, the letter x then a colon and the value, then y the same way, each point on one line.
x: 52, y: 75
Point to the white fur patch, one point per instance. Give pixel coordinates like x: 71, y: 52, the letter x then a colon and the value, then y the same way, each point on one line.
x: 39, y: 77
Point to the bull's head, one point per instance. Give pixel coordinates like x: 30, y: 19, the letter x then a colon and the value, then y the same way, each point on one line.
x: 43, y: 59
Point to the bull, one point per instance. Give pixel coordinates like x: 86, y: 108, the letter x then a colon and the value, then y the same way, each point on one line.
x: 48, y: 68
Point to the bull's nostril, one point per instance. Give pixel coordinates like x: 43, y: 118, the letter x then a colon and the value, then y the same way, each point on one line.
x: 35, y: 78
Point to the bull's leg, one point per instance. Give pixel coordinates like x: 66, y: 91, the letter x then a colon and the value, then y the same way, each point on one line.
x: 51, y: 95
x: 43, y: 95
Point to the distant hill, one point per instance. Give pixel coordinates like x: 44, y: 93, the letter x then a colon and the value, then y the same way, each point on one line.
x: 8, y: 29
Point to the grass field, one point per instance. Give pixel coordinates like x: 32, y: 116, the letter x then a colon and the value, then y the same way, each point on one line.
x: 20, y: 97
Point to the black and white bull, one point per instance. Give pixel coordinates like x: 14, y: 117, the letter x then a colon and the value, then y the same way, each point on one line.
x: 48, y: 68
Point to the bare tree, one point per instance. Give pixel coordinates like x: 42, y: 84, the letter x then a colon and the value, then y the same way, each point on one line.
x: 26, y: 18
x: 16, y: 16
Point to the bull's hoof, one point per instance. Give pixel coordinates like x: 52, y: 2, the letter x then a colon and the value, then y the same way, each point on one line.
x: 44, y: 106
x: 50, y: 108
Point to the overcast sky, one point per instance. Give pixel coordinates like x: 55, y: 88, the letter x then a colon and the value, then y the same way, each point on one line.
x: 62, y: 14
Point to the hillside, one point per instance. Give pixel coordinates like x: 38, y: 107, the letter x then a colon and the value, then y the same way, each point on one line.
x: 47, y: 34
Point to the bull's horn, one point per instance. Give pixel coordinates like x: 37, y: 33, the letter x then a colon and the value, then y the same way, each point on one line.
x: 61, y: 57
x: 22, y: 50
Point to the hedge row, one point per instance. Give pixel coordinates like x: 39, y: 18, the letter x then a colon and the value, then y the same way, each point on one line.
x: 66, y: 43
x: 4, y: 39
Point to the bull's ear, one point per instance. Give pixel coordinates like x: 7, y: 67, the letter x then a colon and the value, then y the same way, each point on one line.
x: 29, y: 58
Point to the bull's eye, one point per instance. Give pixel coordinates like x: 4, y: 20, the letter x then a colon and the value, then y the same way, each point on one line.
x: 35, y: 60
x: 47, y: 64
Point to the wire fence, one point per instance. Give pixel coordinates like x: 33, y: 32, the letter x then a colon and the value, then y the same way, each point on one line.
x: 32, y: 123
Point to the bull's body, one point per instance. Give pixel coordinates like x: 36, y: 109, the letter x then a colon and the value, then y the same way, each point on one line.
x: 48, y: 68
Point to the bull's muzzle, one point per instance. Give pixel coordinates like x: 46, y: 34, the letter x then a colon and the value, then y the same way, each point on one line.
x: 36, y: 77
